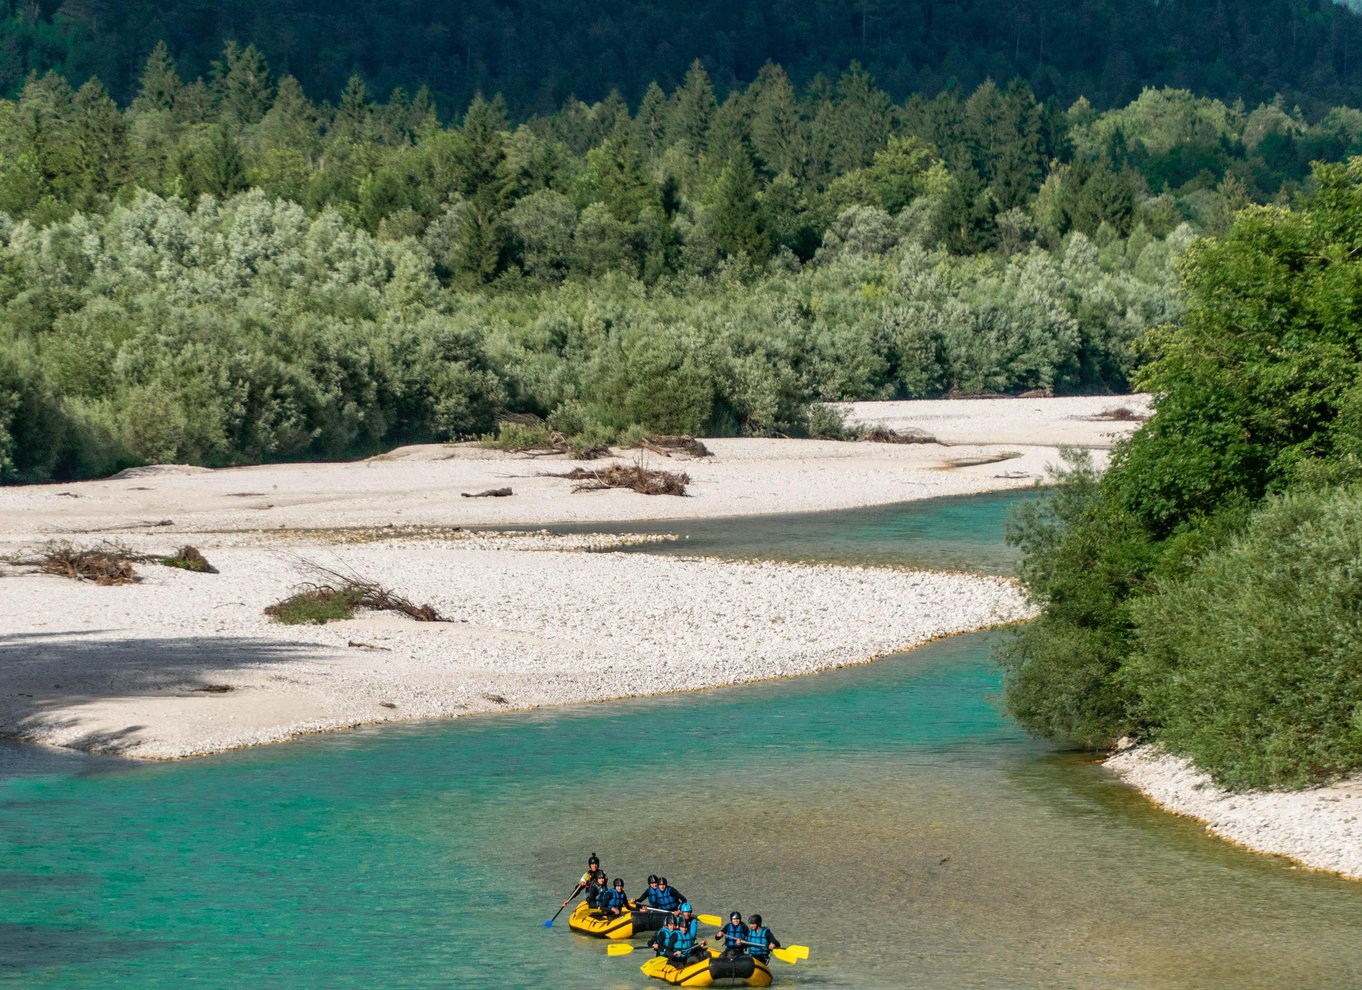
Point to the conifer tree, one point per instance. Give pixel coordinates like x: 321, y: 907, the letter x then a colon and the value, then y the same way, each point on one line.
x: 739, y: 227
x: 691, y: 110
x: 160, y: 83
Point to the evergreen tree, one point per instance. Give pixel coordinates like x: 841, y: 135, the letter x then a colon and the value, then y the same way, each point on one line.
x: 691, y: 110
x: 160, y: 83
x: 739, y: 226
x: 241, y: 85
x: 777, y: 129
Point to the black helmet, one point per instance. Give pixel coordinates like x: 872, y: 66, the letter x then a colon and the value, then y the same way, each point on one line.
x: 618, y: 882
x: 662, y: 880
x: 733, y: 915
x: 594, y: 859
x: 652, y: 878
x: 755, y: 920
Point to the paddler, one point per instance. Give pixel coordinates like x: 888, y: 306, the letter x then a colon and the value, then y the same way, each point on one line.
x: 684, y: 948
x: 593, y: 867
x: 759, y: 939
x: 665, y: 898
x: 614, y: 902
x: 734, y: 934
x: 597, y: 892
x: 666, y: 935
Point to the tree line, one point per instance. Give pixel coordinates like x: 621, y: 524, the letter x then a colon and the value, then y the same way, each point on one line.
x: 225, y: 271
x: 1308, y: 51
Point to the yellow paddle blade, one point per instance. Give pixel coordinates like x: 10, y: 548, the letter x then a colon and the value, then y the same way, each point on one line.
x: 800, y: 951
x: 785, y: 955
x: 710, y: 919
x: 618, y: 949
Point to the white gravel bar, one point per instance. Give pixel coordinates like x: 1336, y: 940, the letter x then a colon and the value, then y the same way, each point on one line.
x: 1318, y: 828
x: 181, y: 664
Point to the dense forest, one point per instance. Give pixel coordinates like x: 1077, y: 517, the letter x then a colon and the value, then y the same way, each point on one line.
x: 1206, y: 591
x: 540, y: 53
x: 225, y: 271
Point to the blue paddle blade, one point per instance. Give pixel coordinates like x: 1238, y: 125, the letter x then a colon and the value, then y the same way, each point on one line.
x: 549, y: 923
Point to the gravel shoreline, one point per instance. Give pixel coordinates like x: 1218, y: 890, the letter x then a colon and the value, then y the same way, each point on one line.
x: 1318, y: 828
x: 182, y: 664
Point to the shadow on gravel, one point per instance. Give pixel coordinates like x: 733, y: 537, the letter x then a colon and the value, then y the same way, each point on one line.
x: 44, y: 674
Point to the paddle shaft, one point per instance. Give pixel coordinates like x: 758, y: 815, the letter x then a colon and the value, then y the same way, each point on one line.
x: 549, y: 923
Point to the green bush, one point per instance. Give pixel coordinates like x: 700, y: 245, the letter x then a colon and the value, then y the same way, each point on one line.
x: 1253, y: 664
x: 317, y: 606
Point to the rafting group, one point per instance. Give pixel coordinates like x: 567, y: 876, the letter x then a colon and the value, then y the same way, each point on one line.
x: 742, y: 949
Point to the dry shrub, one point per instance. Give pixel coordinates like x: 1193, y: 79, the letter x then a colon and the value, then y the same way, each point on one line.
x: 635, y: 477
x: 108, y: 563
x: 668, y: 445
x: 341, y: 597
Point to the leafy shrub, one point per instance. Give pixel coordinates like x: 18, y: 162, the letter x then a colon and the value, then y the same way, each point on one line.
x: 317, y: 606
x: 1251, y: 664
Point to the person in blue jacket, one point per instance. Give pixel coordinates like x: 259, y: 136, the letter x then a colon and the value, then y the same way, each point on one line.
x: 662, y: 942
x: 760, y: 941
x: 733, y: 934
x: 613, y: 902
x: 684, y: 948
x: 666, y: 898
x: 644, y: 898
x: 588, y: 880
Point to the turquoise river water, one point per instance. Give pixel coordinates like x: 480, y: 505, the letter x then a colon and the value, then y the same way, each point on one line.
x: 885, y: 815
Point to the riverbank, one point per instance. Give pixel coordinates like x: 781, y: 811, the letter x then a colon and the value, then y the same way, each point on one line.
x: 1318, y: 828
x: 179, y: 663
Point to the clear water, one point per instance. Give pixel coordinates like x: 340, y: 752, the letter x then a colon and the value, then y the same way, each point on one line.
x: 960, y: 533
x: 884, y: 815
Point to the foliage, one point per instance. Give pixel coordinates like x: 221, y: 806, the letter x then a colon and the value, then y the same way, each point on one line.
x: 1202, y: 591
x: 1249, y: 663
x: 316, y: 606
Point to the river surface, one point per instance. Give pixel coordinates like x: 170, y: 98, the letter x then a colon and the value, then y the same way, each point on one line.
x: 885, y: 815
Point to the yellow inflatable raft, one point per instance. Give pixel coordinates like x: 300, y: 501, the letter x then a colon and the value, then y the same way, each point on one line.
x: 589, y: 922
x: 712, y: 971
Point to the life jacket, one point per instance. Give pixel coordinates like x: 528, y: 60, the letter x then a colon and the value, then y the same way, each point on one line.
x: 595, y: 894
x: 664, y: 899
x: 665, y: 938
x: 734, y: 932
x: 760, y: 940
x: 685, y: 938
x: 614, y: 900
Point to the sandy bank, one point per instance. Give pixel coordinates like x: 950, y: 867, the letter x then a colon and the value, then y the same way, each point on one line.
x: 422, y: 485
x: 1318, y: 828
x: 183, y: 663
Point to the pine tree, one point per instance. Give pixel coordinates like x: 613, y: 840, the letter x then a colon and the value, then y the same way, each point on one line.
x: 160, y: 83
x: 692, y: 108
x: 739, y: 226
x: 777, y: 129
x: 650, y: 126
x: 241, y: 86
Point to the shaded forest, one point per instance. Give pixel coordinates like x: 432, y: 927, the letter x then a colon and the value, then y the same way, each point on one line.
x: 539, y: 53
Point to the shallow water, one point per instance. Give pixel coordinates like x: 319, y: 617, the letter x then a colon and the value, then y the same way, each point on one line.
x: 956, y: 533
x: 884, y: 815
